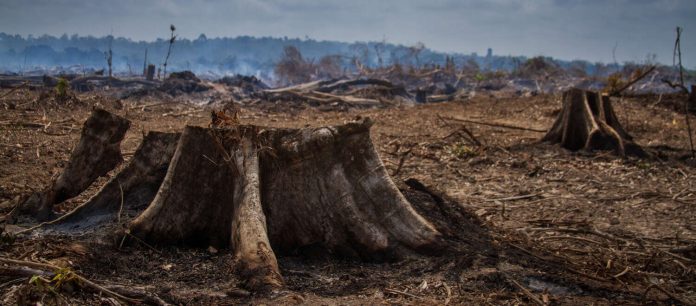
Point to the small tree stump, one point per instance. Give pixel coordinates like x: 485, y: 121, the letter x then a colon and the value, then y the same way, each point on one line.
x: 588, y: 122
x: 150, y: 72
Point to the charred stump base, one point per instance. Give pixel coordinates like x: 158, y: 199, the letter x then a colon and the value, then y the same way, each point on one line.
x: 588, y: 122
x: 261, y: 191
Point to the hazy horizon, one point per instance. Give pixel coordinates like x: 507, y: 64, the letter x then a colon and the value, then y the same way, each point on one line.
x: 563, y: 29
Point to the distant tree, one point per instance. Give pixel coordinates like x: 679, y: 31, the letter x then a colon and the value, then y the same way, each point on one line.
x: 415, y: 52
x: 379, y: 51
x: 169, y: 51
x: 329, y: 67
x: 292, y: 67
x: 578, y: 68
x: 361, y: 56
x: 540, y: 69
x: 450, y: 67
x: 599, y: 70
x: 538, y: 66
x: 145, y: 63
x: 471, y: 68
x: 109, y: 55
x: 61, y: 88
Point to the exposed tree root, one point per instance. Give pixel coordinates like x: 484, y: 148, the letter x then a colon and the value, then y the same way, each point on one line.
x: 97, y: 153
x: 135, y: 186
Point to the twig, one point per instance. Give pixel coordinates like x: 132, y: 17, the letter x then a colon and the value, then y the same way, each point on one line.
x: 23, y: 124
x: 675, y: 85
x: 449, y: 293
x: 461, y: 128
x: 622, y: 272
x: 669, y: 294
x: 524, y: 290
x: 12, y: 282
x: 143, y: 107
x: 502, y: 125
x: 571, y: 238
x: 140, y: 293
x: 14, y: 89
x: 82, y: 279
x: 677, y: 256
x: 403, y: 293
x: 127, y: 233
x: 521, y: 197
x: 22, y: 272
x: 120, y: 208
x: 677, y: 55
x: 471, y: 135
x: 402, y: 159
x: 597, y: 278
x: 659, y: 99
x: 630, y: 83
x: 184, y: 113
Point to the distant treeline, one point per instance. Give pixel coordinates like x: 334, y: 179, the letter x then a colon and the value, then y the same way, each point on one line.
x: 240, y: 55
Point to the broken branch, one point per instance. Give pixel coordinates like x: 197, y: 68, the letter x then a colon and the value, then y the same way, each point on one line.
x: 502, y: 125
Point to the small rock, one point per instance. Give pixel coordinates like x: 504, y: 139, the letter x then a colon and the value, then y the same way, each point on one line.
x: 238, y: 292
x: 212, y: 250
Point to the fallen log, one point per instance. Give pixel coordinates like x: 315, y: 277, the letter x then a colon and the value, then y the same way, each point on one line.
x: 495, y: 124
x: 346, y: 84
x: 89, y: 82
x: 322, y: 92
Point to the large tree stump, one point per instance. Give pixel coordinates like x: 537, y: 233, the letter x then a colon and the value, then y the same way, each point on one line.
x: 97, y: 153
x: 261, y: 191
x: 258, y: 191
x: 588, y: 122
x: 251, y: 188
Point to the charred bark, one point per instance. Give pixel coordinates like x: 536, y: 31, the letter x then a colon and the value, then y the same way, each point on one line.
x: 341, y: 196
x: 97, y: 153
x: 261, y: 191
x: 588, y: 122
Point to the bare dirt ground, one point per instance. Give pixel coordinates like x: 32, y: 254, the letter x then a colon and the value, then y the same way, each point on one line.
x: 540, y: 225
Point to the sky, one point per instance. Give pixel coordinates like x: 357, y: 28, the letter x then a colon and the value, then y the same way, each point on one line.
x: 594, y: 30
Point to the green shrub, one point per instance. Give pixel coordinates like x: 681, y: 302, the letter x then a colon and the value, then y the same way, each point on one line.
x: 463, y: 150
x: 62, y: 87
